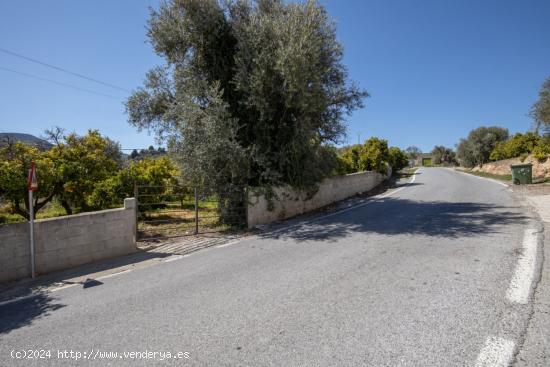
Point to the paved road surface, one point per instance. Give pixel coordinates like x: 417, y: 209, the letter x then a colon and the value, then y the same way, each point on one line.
x: 416, y: 278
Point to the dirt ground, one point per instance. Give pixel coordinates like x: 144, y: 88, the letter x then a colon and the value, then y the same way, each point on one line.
x: 540, y: 169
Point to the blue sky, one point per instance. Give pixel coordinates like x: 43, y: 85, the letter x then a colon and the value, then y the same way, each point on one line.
x: 435, y: 69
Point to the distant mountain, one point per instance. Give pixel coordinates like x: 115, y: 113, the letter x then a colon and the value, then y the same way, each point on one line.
x: 24, y: 138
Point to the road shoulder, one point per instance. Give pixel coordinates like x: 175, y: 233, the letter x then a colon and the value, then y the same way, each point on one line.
x: 535, y: 350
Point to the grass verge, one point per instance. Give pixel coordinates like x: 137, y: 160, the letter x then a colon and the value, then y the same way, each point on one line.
x: 505, y: 178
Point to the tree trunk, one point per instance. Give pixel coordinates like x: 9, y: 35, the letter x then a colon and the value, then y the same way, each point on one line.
x: 16, y: 209
x: 67, y: 207
x: 231, y: 207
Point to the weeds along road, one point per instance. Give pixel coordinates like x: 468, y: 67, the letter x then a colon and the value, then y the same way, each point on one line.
x: 430, y: 275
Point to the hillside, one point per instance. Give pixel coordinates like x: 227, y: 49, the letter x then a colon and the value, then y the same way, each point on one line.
x: 540, y: 169
x: 24, y: 138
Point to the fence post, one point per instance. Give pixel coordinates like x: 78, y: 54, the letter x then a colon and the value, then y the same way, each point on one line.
x: 31, y: 234
x: 136, y: 209
x: 196, y: 211
x: 245, y: 202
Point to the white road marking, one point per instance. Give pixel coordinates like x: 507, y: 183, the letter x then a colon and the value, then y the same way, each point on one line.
x: 391, y: 192
x: 64, y: 287
x: 17, y: 299
x: 114, y: 274
x: 497, y: 352
x: 98, y: 278
x: 173, y: 258
x: 481, y: 178
x: 520, y: 285
x: 228, y: 244
x: 491, y: 179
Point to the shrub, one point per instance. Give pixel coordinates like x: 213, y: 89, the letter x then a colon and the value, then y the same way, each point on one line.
x: 541, y: 152
x: 397, y: 159
x: 349, y: 159
x: 516, y: 146
x: 148, y: 171
x: 374, y: 155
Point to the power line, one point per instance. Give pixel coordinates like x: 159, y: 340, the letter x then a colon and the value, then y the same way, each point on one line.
x: 62, y: 69
x: 59, y: 83
x: 138, y: 149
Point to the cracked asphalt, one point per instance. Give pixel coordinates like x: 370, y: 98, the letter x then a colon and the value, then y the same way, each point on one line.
x: 416, y: 278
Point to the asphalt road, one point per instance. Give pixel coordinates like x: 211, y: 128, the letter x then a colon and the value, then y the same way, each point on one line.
x: 415, y: 278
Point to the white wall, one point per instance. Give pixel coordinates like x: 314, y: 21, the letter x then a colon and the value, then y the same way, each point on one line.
x: 289, y: 203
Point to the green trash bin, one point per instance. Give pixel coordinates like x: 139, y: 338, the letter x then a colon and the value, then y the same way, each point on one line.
x: 522, y: 173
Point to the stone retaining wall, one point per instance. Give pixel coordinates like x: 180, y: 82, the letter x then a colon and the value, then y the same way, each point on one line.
x: 288, y: 202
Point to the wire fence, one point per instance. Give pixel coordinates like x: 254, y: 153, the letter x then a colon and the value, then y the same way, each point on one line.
x: 173, y: 211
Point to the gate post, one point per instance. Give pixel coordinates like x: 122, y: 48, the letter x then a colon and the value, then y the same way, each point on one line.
x: 245, y: 202
x: 196, y: 211
x: 136, y: 209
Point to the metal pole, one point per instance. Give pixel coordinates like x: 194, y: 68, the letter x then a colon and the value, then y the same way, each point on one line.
x: 196, y: 211
x: 245, y: 202
x: 31, y: 223
x: 136, y: 210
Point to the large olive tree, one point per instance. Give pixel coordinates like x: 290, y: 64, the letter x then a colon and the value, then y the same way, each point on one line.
x: 477, y: 147
x: 251, y: 92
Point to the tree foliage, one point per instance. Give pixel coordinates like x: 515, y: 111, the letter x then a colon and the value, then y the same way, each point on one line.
x: 80, y: 172
x: 349, y: 159
x: 397, y: 159
x: 251, y: 92
x: 15, y: 161
x: 413, y: 152
x: 80, y: 162
x: 540, y: 112
x: 516, y: 146
x: 477, y: 147
x: 443, y: 155
x: 147, y: 171
x: 148, y: 153
x: 372, y: 155
x: 541, y: 152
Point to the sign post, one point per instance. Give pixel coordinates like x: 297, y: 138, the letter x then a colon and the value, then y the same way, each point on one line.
x: 32, y: 186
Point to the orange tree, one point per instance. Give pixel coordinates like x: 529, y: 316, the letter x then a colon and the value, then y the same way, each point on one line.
x: 80, y: 163
x: 159, y: 172
x: 15, y: 160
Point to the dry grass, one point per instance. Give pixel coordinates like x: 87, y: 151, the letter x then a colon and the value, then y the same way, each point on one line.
x: 50, y: 210
x: 507, y: 178
x: 179, y: 220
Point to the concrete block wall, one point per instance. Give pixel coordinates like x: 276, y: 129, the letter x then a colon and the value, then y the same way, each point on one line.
x: 289, y: 202
x: 65, y: 242
x: 14, y: 251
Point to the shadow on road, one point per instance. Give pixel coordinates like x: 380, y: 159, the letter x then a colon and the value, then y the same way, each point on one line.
x: 22, y: 313
x: 394, y: 216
